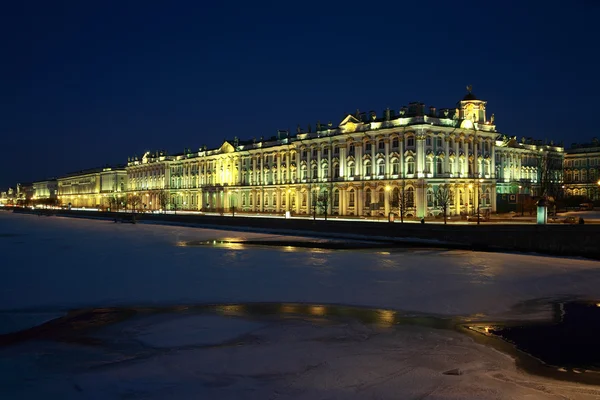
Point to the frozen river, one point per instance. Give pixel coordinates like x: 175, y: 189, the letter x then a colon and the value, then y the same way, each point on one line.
x: 50, y: 265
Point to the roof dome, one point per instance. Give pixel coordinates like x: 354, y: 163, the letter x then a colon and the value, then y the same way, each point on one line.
x: 469, y: 96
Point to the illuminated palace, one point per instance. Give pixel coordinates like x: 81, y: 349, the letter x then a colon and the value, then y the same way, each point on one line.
x: 93, y: 187
x: 582, y: 170
x: 363, y: 165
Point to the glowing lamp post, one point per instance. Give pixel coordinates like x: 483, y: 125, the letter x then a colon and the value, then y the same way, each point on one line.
x: 542, y: 212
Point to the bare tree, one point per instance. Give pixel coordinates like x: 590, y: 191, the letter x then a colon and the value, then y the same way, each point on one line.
x: 163, y: 196
x: 323, y: 200
x: 442, y: 198
x: 134, y: 201
x: 550, y: 174
x: 400, y: 199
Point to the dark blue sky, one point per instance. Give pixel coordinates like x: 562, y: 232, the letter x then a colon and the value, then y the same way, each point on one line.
x: 90, y: 83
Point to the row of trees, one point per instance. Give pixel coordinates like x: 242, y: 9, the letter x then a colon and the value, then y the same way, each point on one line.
x: 399, y: 201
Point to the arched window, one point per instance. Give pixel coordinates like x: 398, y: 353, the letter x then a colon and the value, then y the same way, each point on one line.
x: 243, y: 199
x: 368, y: 169
x: 293, y: 199
x: 439, y: 166
x: 274, y: 199
x: 410, y: 141
x: 486, y: 197
x: 395, y: 143
x: 430, y: 197
x: 283, y: 200
x: 410, y: 165
x: 380, y: 167
x: 410, y: 197
x: 461, y: 165
x: 451, y: 165
x: 351, y: 198
x: 395, y: 166
x: 325, y: 171
x: 258, y: 196
x: 303, y: 172
x: 266, y: 200
x: 315, y: 172
x: 336, y: 171
x: 336, y: 198
x: 583, y: 175
x: 461, y: 197
x: 395, y: 199
x: 304, y: 195
x: 367, y: 198
x: 429, y: 165
x: 351, y: 169
x: 381, y: 197
x: 250, y: 198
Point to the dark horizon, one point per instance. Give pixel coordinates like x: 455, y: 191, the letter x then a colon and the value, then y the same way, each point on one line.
x: 88, y: 85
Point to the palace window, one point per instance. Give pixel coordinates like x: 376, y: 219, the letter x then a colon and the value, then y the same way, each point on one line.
x: 314, y: 153
x: 315, y: 172
x: 381, y: 145
x: 428, y: 141
x: 395, y: 143
x: 368, y: 198
x: 336, y: 198
x: 303, y: 172
x: 381, y: 167
x: 429, y: 165
x: 410, y: 165
x: 304, y: 195
x: 430, y: 198
x: 410, y: 197
x: 351, y: 169
x: 368, y: 146
x: 243, y: 199
x: 351, y: 198
x: 283, y: 199
x: 326, y: 151
x: 325, y: 171
x: 410, y: 141
x: 336, y: 150
x: 368, y: 168
x: 336, y: 171
x: 438, y: 142
x: 381, y: 195
x: 395, y: 166
x: 439, y: 163
x: 351, y: 151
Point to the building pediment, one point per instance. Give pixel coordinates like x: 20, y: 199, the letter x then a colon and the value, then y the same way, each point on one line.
x: 226, y: 147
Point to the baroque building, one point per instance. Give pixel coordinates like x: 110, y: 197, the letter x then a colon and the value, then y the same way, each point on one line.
x: 92, y: 188
x: 582, y: 170
x: 365, y: 164
x: 45, y: 191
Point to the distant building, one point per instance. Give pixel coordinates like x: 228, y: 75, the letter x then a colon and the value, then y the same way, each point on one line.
x: 582, y: 170
x: 527, y: 169
x: 366, y: 165
x: 24, y: 194
x: 45, y: 192
x: 92, y: 188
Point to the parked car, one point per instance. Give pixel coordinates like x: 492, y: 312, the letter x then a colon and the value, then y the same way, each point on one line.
x: 570, y: 220
x: 473, y: 217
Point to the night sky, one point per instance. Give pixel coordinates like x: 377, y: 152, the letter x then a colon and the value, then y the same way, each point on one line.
x: 84, y: 84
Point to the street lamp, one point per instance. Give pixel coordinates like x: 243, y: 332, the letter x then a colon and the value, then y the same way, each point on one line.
x: 472, y: 197
x: 520, y: 200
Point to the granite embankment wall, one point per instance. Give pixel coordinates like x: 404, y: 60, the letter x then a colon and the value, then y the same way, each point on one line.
x: 555, y: 239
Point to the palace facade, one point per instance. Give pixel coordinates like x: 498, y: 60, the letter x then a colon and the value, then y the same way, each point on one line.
x: 366, y: 165
x: 92, y: 188
x: 582, y: 170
